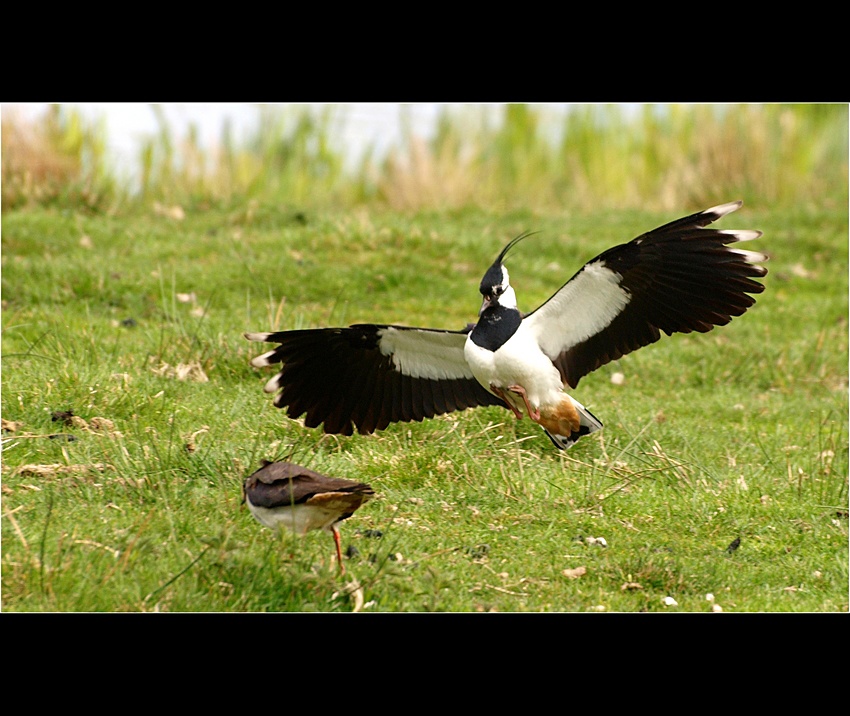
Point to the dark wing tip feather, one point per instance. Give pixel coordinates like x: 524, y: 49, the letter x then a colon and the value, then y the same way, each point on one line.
x: 679, y: 278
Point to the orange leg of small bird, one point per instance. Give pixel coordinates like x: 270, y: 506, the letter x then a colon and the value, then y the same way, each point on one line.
x: 338, y: 549
x: 501, y: 394
x: 519, y: 390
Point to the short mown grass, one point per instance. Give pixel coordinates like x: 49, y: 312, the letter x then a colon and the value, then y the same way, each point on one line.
x: 722, y: 468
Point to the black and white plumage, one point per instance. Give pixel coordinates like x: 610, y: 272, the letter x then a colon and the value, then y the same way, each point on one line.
x: 286, y: 495
x: 678, y: 278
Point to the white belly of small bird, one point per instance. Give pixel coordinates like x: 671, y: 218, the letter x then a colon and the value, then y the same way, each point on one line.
x: 300, y: 519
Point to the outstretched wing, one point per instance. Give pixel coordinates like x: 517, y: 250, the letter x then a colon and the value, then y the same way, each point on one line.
x: 368, y: 376
x: 677, y: 278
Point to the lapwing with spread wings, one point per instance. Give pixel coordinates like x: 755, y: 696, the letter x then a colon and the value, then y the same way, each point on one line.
x: 678, y: 278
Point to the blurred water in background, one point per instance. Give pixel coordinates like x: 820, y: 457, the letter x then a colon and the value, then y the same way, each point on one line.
x: 364, y: 125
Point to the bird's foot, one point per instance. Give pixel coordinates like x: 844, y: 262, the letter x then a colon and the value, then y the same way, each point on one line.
x: 533, y: 413
x: 501, y: 394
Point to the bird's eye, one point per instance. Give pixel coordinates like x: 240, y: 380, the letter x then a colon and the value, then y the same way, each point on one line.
x: 499, y: 290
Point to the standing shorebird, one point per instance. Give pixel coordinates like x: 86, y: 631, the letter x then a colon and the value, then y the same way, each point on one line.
x: 283, y: 494
x: 678, y: 278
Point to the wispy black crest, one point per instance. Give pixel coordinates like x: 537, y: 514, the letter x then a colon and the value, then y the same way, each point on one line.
x: 493, y: 276
x: 512, y: 243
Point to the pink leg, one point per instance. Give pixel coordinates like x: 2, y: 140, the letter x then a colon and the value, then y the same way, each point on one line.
x: 499, y: 392
x: 338, y: 548
x: 519, y: 390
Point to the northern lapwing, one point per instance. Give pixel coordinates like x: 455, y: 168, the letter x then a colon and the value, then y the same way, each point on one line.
x: 283, y: 494
x: 678, y: 278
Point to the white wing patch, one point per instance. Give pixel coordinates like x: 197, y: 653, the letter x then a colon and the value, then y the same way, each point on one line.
x: 583, y: 307
x: 425, y: 354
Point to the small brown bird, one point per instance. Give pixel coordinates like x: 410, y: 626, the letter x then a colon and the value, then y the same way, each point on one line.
x: 283, y: 494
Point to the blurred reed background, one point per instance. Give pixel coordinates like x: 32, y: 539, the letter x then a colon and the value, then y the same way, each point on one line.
x: 659, y: 157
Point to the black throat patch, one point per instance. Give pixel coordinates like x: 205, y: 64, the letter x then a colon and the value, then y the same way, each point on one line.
x: 495, y: 326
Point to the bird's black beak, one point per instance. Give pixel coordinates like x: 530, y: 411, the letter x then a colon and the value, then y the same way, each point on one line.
x: 486, y: 303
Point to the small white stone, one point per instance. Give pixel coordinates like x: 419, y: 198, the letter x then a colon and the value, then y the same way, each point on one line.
x: 716, y: 608
x: 709, y: 597
x: 670, y: 602
x: 618, y: 378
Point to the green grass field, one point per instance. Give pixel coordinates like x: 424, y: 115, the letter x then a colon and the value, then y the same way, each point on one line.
x: 133, y: 322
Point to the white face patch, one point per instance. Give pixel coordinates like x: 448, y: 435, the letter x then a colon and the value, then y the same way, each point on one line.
x: 583, y: 307
x: 508, y: 298
x: 426, y: 354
